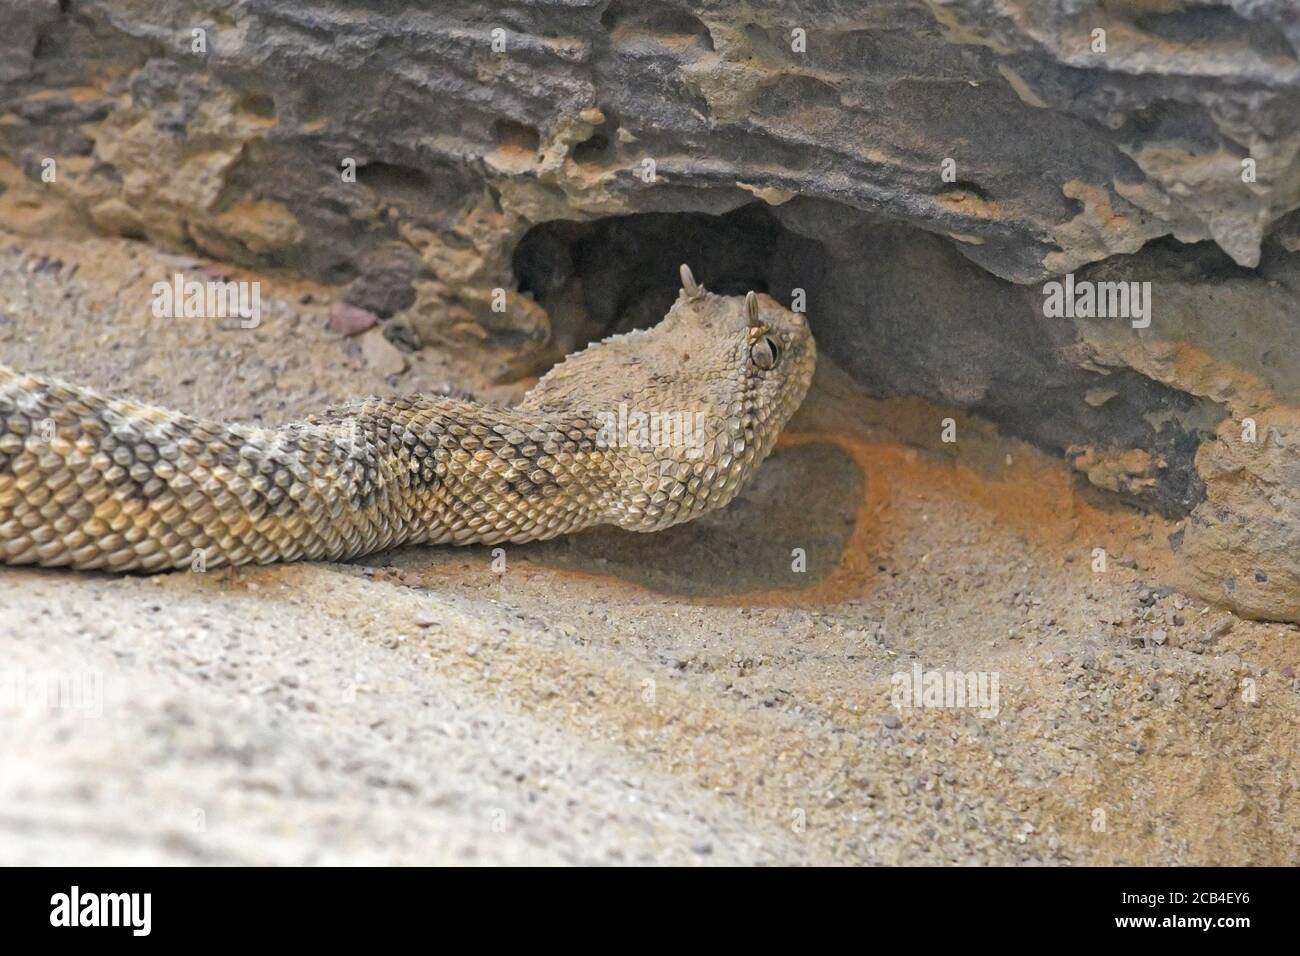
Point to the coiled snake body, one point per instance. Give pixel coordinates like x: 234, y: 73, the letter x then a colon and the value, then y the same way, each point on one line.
x: 93, y: 482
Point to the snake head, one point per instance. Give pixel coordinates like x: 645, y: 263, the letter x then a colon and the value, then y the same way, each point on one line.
x: 758, y: 354
x: 746, y: 362
x: 684, y: 412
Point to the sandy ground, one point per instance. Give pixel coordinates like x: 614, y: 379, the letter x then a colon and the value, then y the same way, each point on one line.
x: 723, y: 692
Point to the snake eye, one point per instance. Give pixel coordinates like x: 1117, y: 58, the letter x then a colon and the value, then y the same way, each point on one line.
x: 765, y: 353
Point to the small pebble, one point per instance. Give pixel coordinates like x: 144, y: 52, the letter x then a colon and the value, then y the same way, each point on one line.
x: 348, y: 319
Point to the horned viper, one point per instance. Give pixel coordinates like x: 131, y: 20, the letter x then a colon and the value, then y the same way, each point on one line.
x: 88, y: 481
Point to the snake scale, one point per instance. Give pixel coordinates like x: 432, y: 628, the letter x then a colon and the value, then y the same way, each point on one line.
x: 93, y: 482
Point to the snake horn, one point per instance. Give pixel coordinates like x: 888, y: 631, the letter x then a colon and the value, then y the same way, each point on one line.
x: 693, y: 289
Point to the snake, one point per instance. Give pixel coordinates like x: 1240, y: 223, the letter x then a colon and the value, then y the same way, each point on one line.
x: 642, y: 431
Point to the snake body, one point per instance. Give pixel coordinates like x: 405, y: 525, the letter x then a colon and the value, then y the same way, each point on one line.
x: 92, y: 482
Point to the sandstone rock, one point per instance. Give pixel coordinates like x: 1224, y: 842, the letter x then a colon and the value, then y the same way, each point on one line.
x: 349, y: 320
x: 385, y: 285
x: 1061, y: 154
x: 382, y: 355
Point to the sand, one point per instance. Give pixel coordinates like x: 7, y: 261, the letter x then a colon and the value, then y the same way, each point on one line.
x: 725, y: 692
